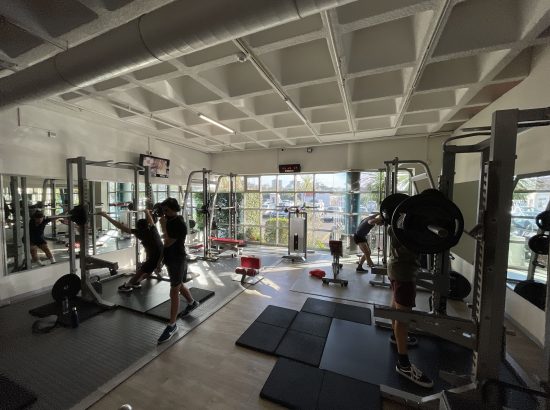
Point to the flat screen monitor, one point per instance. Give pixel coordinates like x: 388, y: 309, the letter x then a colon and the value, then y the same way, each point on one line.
x: 158, y: 167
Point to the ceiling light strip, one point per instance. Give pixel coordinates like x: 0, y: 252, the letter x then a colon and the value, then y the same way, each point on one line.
x: 216, y: 123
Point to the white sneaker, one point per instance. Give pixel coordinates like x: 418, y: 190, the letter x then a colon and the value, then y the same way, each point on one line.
x: 52, y: 260
x: 40, y: 263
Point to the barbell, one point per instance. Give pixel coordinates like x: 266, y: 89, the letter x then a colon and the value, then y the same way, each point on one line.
x: 426, y: 223
x: 79, y: 216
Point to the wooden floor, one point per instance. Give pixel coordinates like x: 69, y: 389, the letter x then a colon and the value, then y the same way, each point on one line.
x: 205, y: 369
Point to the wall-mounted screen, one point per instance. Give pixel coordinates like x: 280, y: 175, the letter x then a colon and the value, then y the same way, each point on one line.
x: 158, y: 167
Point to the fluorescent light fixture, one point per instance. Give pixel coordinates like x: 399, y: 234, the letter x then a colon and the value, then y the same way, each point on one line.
x: 295, y: 109
x: 216, y: 123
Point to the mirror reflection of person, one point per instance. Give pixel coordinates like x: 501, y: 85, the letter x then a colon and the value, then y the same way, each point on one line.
x: 147, y: 233
x: 37, y: 224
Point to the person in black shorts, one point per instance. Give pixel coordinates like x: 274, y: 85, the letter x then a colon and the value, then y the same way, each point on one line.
x: 174, y: 232
x: 360, y: 239
x: 403, y: 267
x: 147, y: 233
x: 37, y: 224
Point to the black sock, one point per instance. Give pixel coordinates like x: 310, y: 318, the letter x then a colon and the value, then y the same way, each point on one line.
x: 403, y: 360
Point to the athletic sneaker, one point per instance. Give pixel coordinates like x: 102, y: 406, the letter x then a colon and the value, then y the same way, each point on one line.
x: 361, y: 269
x: 124, y: 288
x: 415, y: 375
x: 136, y: 286
x: 40, y: 263
x: 167, y: 334
x: 52, y: 260
x: 190, y: 308
x: 411, y: 340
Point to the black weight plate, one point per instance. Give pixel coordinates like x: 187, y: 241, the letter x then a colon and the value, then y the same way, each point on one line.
x: 413, y: 216
x: 388, y: 205
x: 460, y: 286
x: 543, y: 220
x: 67, y: 286
x: 533, y: 292
x: 539, y: 244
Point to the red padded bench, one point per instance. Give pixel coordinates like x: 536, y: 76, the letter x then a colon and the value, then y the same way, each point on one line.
x: 227, y: 244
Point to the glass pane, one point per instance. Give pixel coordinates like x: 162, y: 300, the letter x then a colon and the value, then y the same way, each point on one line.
x: 286, y: 182
x: 331, y: 182
x: 370, y: 181
x: 240, y: 184
x: 224, y: 184
x: 304, y: 182
x: 268, y: 183
x: 252, y: 183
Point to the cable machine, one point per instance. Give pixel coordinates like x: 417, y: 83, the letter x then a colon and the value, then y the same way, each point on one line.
x: 210, y: 183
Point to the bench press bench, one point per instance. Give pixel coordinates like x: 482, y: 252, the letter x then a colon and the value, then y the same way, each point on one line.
x: 227, y: 244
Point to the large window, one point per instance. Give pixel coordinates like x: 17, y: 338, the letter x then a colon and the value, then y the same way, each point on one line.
x: 531, y: 196
x: 327, y: 197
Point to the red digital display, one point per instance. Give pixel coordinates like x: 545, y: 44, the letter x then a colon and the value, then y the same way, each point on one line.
x: 287, y: 168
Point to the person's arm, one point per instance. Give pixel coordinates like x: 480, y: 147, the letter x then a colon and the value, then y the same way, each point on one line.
x: 165, y: 236
x: 149, y: 217
x: 117, y: 224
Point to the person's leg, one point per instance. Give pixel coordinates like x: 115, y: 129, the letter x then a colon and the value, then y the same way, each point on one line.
x: 174, y: 303
x: 367, y: 253
x: 364, y: 248
x: 47, y: 251
x: 34, y: 253
x: 404, y: 299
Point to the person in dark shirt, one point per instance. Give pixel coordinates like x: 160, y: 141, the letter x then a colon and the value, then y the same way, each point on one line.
x: 174, y: 232
x: 403, y: 267
x: 360, y: 239
x: 147, y: 233
x: 37, y: 224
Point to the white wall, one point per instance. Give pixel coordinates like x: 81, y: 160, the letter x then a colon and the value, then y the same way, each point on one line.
x: 364, y: 155
x: 532, y: 156
x: 27, y: 150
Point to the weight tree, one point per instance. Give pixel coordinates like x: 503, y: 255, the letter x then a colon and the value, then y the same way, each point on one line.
x: 484, y: 333
x: 85, y: 197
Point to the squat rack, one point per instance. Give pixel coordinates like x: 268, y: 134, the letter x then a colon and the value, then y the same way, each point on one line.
x: 85, y: 197
x: 484, y: 333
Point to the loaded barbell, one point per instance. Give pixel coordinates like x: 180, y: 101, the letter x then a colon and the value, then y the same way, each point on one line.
x: 426, y: 223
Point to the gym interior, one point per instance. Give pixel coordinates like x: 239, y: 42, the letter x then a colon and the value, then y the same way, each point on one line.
x: 278, y: 126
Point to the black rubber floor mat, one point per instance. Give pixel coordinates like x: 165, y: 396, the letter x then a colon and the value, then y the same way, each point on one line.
x: 277, y: 316
x: 162, y: 311
x: 319, y: 307
x: 53, y: 308
x: 312, y: 324
x: 13, y: 396
x: 365, y: 353
x: 344, y: 393
x: 151, y: 294
x: 262, y: 337
x: 85, y: 309
x: 353, y: 313
x: 301, y: 347
x: 293, y: 385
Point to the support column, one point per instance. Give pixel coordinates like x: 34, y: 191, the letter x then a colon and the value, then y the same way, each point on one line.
x: 352, y: 206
